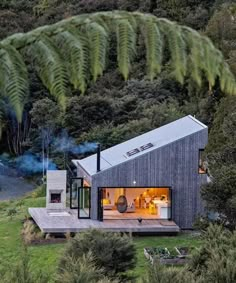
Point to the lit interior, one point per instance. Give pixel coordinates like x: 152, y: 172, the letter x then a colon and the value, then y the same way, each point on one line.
x: 149, y: 203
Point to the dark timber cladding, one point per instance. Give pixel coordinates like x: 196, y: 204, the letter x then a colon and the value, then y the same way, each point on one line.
x: 174, y: 165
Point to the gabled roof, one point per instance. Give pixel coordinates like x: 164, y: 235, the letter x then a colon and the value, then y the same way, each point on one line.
x: 142, y: 144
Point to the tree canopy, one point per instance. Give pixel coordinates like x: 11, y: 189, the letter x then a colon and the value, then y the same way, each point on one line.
x: 75, y: 51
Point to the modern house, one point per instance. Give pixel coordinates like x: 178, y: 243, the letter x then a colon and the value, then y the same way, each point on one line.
x: 154, y: 178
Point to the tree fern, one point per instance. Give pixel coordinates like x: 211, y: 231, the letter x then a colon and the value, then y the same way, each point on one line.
x: 196, y: 55
x: 177, y: 48
x: 76, y: 54
x: 98, y: 43
x: 212, y: 61
x: 50, y: 67
x: 154, y: 47
x: 227, y: 81
x: 14, y: 78
x: 126, y: 46
x: 76, y: 49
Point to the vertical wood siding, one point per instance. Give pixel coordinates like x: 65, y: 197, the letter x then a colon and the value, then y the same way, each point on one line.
x: 174, y: 165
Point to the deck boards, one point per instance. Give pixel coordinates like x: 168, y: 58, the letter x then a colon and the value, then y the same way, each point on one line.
x: 70, y: 223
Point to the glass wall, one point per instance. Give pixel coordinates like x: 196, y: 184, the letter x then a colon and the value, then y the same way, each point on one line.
x: 75, y: 184
x: 84, y: 202
x: 147, y: 203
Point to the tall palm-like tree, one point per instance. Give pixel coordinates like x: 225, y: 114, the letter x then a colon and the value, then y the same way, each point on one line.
x: 74, y: 51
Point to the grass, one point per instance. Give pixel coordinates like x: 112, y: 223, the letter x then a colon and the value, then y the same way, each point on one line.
x: 45, y: 257
x: 42, y: 257
x: 186, y: 240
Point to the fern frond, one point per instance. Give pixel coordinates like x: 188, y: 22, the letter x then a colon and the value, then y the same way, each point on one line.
x: 14, y: 76
x: 212, y: 61
x: 98, y: 44
x: 177, y: 48
x: 154, y: 47
x: 196, y: 55
x: 126, y: 46
x: 227, y: 80
x: 74, y: 46
x: 78, y: 46
x: 50, y: 67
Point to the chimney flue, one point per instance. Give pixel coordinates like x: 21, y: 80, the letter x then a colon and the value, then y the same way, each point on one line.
x: 98, y: 157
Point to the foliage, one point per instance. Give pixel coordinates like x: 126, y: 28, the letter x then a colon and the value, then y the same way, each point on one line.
x: 113, y: 252
x: 220, y: 195
x: 62, y: 52
x: 160, y: 274
x: 221, y: 29
x: 30, y: 232
x: 212, y: 262
x: 221, y: 148
x: 108, y: 135
x: 164, y: 113
x: 81, y: 270
x: 45, y: 113
x: 86, y: 112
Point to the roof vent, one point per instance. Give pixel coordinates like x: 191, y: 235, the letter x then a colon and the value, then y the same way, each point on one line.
x: 133, y: 151
x: 146, y: 146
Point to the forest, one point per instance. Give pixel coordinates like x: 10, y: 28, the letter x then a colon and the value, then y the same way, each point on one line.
x: 47, y: 121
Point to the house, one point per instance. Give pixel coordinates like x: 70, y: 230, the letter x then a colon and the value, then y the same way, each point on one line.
x: 153, y: 179
x: 159, y: 174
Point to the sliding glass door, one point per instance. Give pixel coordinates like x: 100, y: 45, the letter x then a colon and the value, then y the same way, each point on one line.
x: 84, y: 202
x: 75, y: 184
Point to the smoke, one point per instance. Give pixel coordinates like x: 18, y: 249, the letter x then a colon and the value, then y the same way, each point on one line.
x: 32, y: 164
x: 64, y: 143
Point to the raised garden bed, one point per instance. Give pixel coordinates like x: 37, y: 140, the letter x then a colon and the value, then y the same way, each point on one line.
x: 164, y: 256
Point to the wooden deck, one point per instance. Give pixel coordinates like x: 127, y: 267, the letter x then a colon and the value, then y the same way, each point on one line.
x: 66, y: 221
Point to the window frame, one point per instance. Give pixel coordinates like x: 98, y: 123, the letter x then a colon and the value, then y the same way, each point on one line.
x: 200, y: 151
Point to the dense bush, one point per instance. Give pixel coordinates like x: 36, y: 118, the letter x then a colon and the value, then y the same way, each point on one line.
x: 113, y: 252
x: 220, y: 195
x: 82, y: 270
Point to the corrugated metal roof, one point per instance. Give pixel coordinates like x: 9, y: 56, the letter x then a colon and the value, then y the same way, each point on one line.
x: 159, y: 137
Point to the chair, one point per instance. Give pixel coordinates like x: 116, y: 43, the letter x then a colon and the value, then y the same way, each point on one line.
x: 106, y: 203
x: 130, y: 208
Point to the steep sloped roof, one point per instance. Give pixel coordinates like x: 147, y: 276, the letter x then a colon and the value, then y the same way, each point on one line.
x: 142, y: 144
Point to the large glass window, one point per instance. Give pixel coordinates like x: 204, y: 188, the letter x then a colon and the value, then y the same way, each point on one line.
x: 133, y: 203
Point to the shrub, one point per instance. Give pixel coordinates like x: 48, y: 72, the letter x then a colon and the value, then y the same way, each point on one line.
x: 30, y: 232
x: 162, y: 274
x: 214, y: 261
x: 81, y: 270
x: 113, y: 252
x: 220, y: 195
